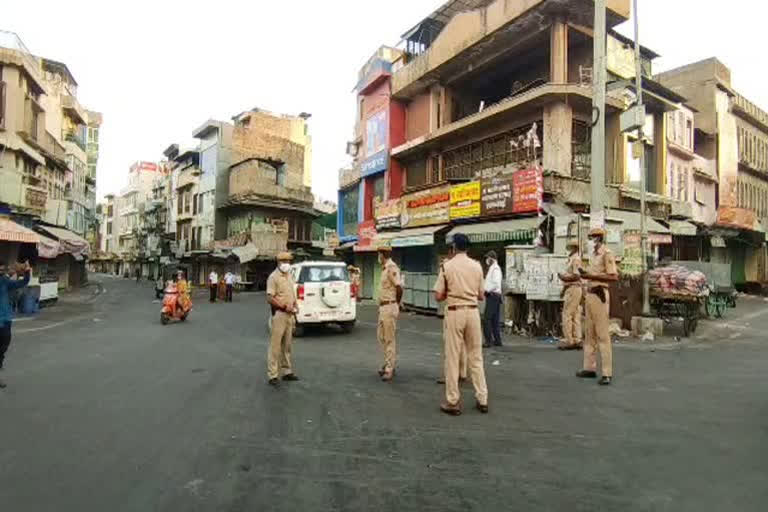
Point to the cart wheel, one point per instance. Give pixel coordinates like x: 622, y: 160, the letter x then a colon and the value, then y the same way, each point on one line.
x: 719, y: 308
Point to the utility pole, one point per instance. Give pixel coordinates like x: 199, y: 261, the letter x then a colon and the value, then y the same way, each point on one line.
x: 641, y: 147
x: 597, y: 205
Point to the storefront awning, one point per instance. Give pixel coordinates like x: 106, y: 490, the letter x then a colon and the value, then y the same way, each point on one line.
x: 246, y: 253
x: 682, y: 228
x: 48, y: 248
x: 631, y: 221
x: 413, y: 237
x: 512, y: 230
x: 70, y: 242
x: 12, y: 232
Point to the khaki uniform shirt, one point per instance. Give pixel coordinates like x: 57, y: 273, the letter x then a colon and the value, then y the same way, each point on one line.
x: 602, y: 262
x: 461, y: 278
x: 572, y: 268
x: 282, y: 287
x: 390, y: 280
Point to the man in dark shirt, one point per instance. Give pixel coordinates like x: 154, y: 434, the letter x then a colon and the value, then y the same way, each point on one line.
x: 8, y: 283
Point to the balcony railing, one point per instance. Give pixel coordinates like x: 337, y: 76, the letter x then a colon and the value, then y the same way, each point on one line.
x: 75, y: 138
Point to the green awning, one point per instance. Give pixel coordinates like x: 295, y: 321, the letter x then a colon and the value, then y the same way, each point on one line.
x: 512, y: 230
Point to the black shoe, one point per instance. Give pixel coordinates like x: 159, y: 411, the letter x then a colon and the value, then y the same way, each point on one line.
x: 586, y: 374
x: 274, y: 382
x: 482, y: 408
x: 605, y: 381
x: 486, y: 345
x: 3, y: 385
x: 290, y: 377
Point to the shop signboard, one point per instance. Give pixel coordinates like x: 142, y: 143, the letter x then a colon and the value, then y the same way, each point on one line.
x: 387, y: 213
x: 426, y: 207
x: 517, y: 192
x: 366, y: 234
x: 528, y: 190
x: 413, y: 241
x: 375, y: 163
x: 465, y: 200
x: 632, y: 256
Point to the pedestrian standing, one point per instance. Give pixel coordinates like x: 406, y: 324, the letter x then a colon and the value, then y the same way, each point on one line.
x: 601, y: 271
x: 390, y: 294
x: 138, y: 274
x: 9, y: 282
x: 229, y: 279
x: 213, y: 284
x: 461, y: 285
x: 281, y: 295
x: 572, y: 295
x: 492, y: 321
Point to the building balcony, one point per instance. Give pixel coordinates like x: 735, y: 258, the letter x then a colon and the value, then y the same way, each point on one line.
x: 751, y: 112
x: 72, y: 108
x: 14, y: 51
x: 254, y: 185
x: 187, y: 178
x: 75, y: 138
x: 35, y: 198
x: 472, y: 39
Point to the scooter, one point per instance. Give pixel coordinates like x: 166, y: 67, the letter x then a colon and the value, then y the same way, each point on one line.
x: 172, y: 310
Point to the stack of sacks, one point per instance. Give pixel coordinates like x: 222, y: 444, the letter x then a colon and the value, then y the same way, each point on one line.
x: 677, y: 280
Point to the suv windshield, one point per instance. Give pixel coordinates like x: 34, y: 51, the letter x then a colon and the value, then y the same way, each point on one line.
x: 323, y: 274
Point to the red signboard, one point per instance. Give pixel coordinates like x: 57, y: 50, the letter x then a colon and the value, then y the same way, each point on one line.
x: 366, y: 234
x: 528, y: 188
x: 517, y: 192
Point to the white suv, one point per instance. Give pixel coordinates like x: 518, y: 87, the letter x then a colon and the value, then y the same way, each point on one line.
x: 324, y: 294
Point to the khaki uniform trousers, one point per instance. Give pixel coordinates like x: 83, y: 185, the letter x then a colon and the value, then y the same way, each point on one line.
x: 572, y: 315
x: 385, y: 333
x: 462, y: 329
x: 280, y: 342
x: 598, y: 337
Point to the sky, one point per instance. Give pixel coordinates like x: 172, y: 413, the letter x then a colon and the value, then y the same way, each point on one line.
x: 159, y: 69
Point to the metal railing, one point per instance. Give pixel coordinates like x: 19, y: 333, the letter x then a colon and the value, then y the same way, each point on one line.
x: 74, y: 137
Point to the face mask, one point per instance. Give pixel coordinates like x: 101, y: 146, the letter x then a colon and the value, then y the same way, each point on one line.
x: 284, y: 267
x: 488, y: 262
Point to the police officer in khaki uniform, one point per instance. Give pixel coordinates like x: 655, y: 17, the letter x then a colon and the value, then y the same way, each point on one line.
x: 281, y: 295
x: 601, y: 271
x: 460, y: 285
x: 390, y: 294
x: 572, y: 294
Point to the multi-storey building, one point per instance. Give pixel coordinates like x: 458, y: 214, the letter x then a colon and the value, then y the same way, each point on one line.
x: 130, y: 208
x: 732, y: 133
x: 43, y: 179
x: 481, y: 122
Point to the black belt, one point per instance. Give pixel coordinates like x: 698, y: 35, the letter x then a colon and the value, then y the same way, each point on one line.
x: 456, y: 308
x: 387, y: 302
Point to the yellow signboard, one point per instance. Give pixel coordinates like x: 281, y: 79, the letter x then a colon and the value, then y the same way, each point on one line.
x: 465, y: 200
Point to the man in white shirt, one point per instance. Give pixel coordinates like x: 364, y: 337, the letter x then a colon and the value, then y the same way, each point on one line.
x: 213, y: 284
x: 229, y: 280
x: 491, y: 319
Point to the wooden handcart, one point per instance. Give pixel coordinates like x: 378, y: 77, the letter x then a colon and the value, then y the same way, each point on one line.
x: 673, y: 306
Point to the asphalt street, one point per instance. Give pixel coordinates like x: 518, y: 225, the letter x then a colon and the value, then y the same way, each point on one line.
x: 108, y: 410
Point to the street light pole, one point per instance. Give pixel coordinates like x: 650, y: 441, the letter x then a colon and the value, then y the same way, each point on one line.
x: 641, y: 146
x: 597, y: 208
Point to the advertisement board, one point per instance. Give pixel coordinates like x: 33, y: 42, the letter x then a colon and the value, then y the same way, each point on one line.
x: 465, y: 200
x: 376, y: 132
x: 366, y: 234
x: 375, y: 163
x: 496, y: 195
x: 528, y: 189
x: 426, y: 207
x: 387, y: 213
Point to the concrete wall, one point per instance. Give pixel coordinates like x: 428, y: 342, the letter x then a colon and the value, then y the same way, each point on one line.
x: 417, y: 116
x: 728, y: 158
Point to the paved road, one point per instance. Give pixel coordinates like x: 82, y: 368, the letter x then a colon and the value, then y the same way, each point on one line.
x: 112, y: 411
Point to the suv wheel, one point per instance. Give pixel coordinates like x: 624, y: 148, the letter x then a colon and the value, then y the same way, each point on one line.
x: 347, y: 326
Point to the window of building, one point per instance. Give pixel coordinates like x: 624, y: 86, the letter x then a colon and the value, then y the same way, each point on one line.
x: 109, y: 228
x: 416, y: 173
x: 194, y: 204
x: 349, y: 201
x: 280, y: 175
x: 689, y: 133
x: 200, y: 206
